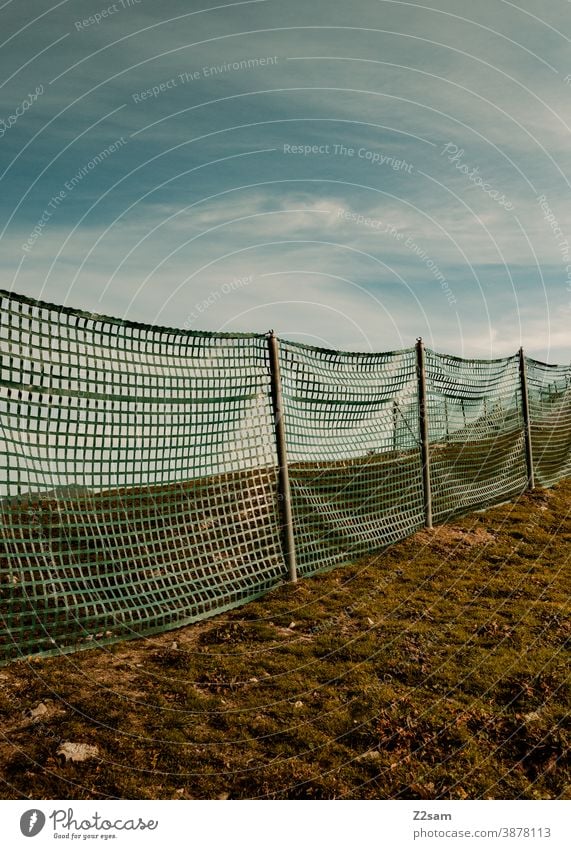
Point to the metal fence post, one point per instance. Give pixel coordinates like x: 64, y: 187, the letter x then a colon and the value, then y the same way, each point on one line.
x: 526, y: 420
x: 446, y: 419
x: 424, y: 444
x: 284, y: 491
x: 395, y: 425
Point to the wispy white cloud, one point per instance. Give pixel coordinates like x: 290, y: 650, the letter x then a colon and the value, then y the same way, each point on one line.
x: 207, y: 195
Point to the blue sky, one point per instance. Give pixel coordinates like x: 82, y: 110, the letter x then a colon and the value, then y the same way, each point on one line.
x: 353, y: 175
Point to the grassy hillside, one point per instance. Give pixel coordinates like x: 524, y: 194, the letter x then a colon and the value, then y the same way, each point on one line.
x: 439, y: 668
x: 78, y: 566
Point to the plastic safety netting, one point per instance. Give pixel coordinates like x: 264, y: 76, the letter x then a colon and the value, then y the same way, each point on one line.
x: 477, y: 448
x: 353, y: 450
x: 549, y: 392
x: 139, y: 485
x: 138, y: 477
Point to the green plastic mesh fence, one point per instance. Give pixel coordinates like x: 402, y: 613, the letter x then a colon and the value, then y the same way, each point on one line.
x: 549, y: 392
x: 476, y: 432
x: 138, y: 482
x: 353, y: 448
x: 139, y: 488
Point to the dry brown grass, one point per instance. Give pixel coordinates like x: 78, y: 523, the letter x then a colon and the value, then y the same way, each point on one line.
x: 439, y: 669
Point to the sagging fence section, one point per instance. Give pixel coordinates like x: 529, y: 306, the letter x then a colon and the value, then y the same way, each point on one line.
x: 152, y: 477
